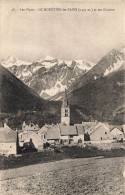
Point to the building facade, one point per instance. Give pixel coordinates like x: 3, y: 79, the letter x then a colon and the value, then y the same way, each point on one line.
x: 27, y: 130
x: 8, y: 140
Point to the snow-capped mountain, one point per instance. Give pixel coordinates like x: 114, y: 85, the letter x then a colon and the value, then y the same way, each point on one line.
x: 101, y: 90
x: 109, y: 64
x: 11, y: 60
x: 49, y: 76
x: 117, y: 63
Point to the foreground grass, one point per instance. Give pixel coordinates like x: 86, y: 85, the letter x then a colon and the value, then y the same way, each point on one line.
x: 9, y: 162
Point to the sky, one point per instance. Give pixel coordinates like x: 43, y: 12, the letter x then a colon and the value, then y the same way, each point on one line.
x: 66, y: 35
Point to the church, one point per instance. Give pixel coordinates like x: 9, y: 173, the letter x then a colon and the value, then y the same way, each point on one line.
x: 63, y: 133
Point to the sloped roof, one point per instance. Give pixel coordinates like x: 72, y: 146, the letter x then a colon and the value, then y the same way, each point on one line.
x: 80, y: 129
x: 116, y: 131
x: 68, y: 130
x: 7, y: 135
x: 90, y: 127
x: 117, y: 127
x: 31, y: 127
x: 45, y: 128
x: 53, y: 133
x: 100, y: 125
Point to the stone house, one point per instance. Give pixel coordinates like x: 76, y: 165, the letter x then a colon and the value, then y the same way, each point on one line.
x: 71, y: 134
x: 62, y: 134
x: 27, y: 130
x: 8, y: 140
x: 34, y: 141
x: 101, y: 132
x: 50, y: 134
x: 68, y: 134
x: 116, y: 132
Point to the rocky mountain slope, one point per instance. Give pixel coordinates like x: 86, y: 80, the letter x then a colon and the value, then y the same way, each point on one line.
x: 48, y: 76
x: 98, y: 92
x: 19, y: 103
x: 112, y: 62
x: 101, y: 90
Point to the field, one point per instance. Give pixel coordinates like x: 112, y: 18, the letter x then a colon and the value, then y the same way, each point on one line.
x: 65, y: 152
x: 84, y: 176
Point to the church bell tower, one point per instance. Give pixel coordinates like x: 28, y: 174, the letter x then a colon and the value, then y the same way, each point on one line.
x: 65, y: 110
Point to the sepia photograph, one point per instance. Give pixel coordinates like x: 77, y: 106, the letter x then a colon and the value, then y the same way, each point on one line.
x: 62, y: 97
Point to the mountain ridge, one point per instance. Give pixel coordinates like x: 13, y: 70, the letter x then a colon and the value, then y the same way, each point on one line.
x: 108, y: 64
x: 49, y: 76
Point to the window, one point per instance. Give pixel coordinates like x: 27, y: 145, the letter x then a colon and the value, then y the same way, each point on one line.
x: 21, y: 137
x: 66, y: 112
x: 71, y: 136
x: 105, y: 132
x: 42, y: 136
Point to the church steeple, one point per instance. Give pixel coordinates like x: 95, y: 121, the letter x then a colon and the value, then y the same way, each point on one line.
x: 65, y: 110
x: 65, y: 100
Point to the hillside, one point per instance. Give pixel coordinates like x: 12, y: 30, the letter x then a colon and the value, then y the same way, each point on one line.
x: 103, y: 97
x: 101, y: 90
x: 14, y: 95
x: 19, y: 103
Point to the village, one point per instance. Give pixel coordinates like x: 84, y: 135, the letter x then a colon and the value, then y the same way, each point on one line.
x: 62, y: 134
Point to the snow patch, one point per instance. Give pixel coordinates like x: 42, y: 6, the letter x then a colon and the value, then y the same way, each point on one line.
x: 95, y: 77
x: 49, y: 64
x: 122, y: 50
x: 36, y: 68
x: 11, y: 60
x: 68, y: 63
x: 113, y: 67
x: 54, y: 90
x: 27, y: 73
x: 84, y: 65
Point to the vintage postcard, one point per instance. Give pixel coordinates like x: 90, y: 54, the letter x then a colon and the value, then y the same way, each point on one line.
x: 62, y: 105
